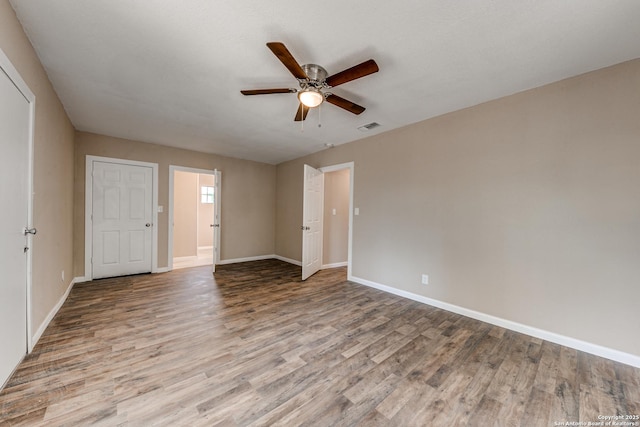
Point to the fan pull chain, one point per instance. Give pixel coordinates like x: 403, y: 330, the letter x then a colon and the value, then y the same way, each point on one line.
x: 320, y: 116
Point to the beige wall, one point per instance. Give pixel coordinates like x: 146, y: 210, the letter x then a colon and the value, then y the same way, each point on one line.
x: 185, y: 214
x: 53, y: 174
x: 248, y: 194
x: 526, y: 208
x: 335, y: 229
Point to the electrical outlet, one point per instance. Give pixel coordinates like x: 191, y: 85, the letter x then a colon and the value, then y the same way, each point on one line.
x: 425, y: 279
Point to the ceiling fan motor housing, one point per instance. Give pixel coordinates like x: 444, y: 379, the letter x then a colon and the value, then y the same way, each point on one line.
x: 316, y: 75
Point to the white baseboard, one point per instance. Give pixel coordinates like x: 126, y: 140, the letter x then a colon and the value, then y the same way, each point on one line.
x: 38, y: 334
x: 289, y: 260
x: 260, y: 258
x: 246, y: 259
x: 334, y: 265
x: 598, y: 350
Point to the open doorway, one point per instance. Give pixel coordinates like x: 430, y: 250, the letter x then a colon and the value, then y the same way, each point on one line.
x: 335, y: 240
x: 194, y: 217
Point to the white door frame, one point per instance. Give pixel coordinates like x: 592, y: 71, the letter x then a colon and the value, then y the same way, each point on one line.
x: 217, y: 210
x: 334, y: 168
x: 88, y: 210
x: 7, y: 67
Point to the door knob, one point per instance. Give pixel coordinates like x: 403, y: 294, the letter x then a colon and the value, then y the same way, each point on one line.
x: 148, y: 224
x: 30, y: 231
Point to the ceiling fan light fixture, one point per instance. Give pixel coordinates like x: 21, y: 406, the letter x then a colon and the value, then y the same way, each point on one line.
x: 311, y: 97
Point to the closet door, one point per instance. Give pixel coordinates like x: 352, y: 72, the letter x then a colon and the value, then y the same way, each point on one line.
x: 15, y: 114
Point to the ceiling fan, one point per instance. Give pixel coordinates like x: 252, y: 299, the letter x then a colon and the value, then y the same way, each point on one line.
x: 314, y: 83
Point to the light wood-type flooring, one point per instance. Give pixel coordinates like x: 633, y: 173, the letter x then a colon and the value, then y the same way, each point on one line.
x: 255, y: 346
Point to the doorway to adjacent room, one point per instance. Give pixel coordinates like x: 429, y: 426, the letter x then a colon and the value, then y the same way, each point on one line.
x: 194, y: 217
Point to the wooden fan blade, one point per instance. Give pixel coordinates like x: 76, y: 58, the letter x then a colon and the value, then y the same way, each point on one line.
x: 355, y: 72
x: 266, y: 91
x: 346, y: 104
x: 283, y: 54
x: 302, y: 112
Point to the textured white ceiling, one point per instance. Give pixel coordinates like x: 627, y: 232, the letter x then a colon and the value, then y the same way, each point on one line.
x: 170, y: 71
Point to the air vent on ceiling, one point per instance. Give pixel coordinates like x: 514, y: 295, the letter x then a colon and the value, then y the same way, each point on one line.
x: 368, y: 127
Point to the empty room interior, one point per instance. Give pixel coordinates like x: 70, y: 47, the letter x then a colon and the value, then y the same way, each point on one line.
x: 351, y: 213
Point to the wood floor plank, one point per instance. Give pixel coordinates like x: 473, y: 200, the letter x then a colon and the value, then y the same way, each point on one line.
x: 254, y: 345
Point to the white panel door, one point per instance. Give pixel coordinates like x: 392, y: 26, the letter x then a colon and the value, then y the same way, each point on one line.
x: 312, y: 212
x: 217, y: 176
x: 14, y: 196
x: 122, y: 219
